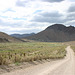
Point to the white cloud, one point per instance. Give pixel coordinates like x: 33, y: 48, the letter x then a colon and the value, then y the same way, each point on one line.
x: 15, y: 15
x: 72, y: 22
x: 5, y: 4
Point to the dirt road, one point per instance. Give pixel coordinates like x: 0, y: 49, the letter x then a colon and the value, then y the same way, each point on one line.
x: 65, y: 66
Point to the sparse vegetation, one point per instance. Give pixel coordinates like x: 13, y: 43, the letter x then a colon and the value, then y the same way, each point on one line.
x: 25, y: 52
x: 73, y: 47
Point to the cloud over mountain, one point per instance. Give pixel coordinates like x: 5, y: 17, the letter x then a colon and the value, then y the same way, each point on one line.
x: 53, y: 0
x: 50, y: 17
x: 71, y: 8
x: 25, y: 16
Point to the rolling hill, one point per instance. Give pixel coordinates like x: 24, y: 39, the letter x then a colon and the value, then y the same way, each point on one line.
x: 7, y: 38
x: 55, y: 33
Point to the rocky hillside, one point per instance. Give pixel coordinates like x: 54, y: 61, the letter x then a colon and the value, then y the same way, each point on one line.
x: 55, y: 33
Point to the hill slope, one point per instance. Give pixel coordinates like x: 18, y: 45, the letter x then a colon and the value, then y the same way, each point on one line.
x: 6, y: 38
x: 55, y: 33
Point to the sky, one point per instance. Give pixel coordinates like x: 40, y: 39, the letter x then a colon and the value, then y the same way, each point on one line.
x: 28, y: 16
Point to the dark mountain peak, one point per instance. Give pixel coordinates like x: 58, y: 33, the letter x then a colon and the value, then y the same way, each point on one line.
x: 71, y: 30
x: 56, y: 27
x: 71, y: 27
x: 55, y: 33
x: 60, y: 27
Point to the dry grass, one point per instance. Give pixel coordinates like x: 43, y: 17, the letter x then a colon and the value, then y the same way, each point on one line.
x: 73, y: 47
x: 71, y: 43
x: 25, y: 52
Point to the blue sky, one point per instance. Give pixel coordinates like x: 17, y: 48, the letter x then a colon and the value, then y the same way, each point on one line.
x: 27, y: 16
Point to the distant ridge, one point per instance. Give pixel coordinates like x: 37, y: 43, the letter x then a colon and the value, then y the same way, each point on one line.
x: 55, y: 33
x: 21, y: 35
x: 6, y: 38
